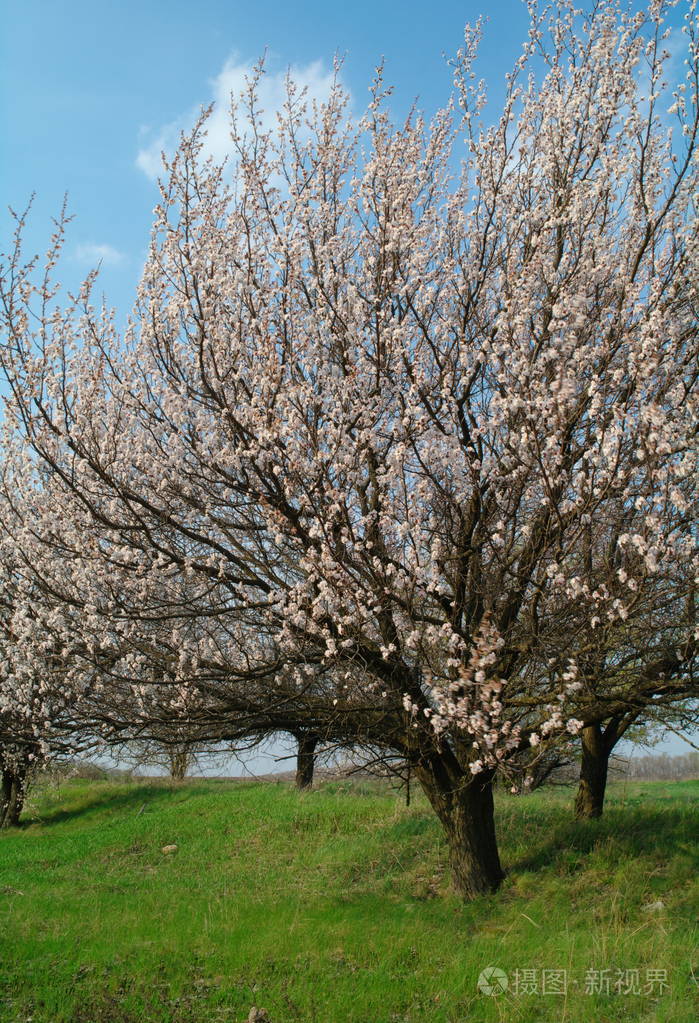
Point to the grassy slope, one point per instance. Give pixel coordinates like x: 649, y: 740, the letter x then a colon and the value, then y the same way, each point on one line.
x: 335, y: 906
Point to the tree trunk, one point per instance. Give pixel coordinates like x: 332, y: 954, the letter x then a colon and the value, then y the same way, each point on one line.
x: 11, y: 797
x: 596, y: 749
x: 305, y: 759
x: 465, y: 808
x: 179, y: 763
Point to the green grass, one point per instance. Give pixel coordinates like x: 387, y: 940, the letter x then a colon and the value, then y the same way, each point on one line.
x: 334, y: 907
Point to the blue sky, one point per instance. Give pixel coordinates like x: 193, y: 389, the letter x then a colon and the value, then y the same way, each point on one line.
x: 90, y: 90
x: 87, y: 87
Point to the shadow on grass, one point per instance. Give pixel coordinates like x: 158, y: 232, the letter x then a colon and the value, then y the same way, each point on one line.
x: 634, y: 832
x: 140, y: 799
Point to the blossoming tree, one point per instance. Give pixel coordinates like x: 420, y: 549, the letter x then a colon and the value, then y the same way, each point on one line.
x: 38, y: 704
x: 400, y: 437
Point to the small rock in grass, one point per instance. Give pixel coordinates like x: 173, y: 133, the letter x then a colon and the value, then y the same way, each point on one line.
x: 167, y: 849
x: 258, y: 1016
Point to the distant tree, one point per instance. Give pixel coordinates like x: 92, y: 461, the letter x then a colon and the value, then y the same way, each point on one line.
x: 600, y: 738
x: 39, y: 718
x: 662, y: 767
x: 534, y: 768
x: 174, y: 758
x: 393, y: 449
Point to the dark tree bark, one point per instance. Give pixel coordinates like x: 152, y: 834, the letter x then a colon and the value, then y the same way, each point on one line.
x: 305, y: 759
x: 465, y: 808
x: 597, y: 746
x: 594, y: 766
x: 12, y: 795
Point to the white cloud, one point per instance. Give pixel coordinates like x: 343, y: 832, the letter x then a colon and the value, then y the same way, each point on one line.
x: 92, y: 253
x: 314, y: 77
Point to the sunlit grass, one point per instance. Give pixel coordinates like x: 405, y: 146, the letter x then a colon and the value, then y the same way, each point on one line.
x: 335, y: 906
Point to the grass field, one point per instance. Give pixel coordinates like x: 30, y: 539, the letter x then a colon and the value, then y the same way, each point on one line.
x: 334, y: 907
